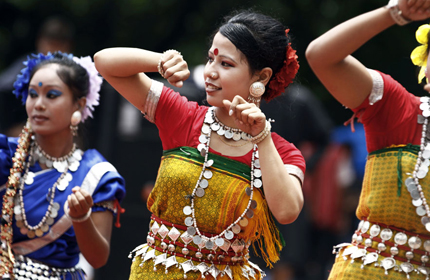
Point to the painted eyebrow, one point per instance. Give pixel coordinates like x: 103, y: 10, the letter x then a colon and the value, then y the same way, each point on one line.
x: 220, y: 55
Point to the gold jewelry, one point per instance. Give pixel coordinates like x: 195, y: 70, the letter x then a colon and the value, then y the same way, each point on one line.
x: 7, y: 258
x: 232, y: 144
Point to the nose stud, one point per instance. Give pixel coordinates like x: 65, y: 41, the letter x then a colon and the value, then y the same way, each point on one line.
x: 213, y: 75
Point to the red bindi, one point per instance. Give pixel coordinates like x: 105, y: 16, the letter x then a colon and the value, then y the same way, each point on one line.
x: 216, y: 51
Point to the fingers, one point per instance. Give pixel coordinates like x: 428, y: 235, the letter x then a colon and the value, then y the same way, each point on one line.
x: 415, y: 9
x: 427, y: 88
x: 79, y: 202
x: 248, y: 116
x: 175, y: 69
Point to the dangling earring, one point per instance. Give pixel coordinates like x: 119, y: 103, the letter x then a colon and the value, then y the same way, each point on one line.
x: 256, y: 90
x: 75, y: 120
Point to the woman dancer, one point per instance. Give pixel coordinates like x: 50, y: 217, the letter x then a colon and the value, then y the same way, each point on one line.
x: 55, y: 197
x: 393, y: 236
x: 208, y: 202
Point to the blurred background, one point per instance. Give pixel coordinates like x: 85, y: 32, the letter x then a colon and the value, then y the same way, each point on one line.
x: 306, y: 115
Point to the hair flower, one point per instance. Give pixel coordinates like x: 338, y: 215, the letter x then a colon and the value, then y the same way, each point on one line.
x: 420, y: 54
x: 286, y: 74
x: 23, y: 79
x: 96, y: 81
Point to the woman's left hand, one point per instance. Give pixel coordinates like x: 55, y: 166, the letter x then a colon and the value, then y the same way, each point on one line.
x: 248, y: 117
x: 80, y: 202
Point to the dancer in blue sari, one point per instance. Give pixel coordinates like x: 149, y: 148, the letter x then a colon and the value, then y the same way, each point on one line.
x: 58, y: 201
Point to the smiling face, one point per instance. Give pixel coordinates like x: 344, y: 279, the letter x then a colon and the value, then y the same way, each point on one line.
x: 227, y: 72
x: 50, y: 103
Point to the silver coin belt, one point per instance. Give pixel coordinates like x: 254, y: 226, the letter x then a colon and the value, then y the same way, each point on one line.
x: 28, y: 269
x: 388, y: 248
x: 173, y: 241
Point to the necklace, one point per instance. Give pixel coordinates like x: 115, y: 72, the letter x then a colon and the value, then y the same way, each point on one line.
x: 69, y: 161
x: 212, y: 123
x: 421, y: 167
x: 232, y: 145
x: 62, y: 165
x: 203, y: 183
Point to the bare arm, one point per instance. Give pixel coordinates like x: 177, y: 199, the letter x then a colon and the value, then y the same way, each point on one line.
x: 124, y: 69
x: 94, y: 234
x: 330, y: 55
x: 283, y: 191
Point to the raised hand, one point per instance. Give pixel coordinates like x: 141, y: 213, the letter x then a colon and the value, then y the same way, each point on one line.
x: 80, y: 202
x: 248, y: 117
x: 175, y: 68
x: 415, y: 9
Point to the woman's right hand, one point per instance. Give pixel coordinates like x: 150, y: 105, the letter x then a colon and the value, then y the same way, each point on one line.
x: 175, y: 68
x: 415, y: 9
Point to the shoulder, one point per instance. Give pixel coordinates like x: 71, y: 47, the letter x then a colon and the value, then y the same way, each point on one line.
x: 288, y: 152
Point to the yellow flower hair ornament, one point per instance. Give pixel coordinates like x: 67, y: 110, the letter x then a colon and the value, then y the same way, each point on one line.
x: 419, y: 54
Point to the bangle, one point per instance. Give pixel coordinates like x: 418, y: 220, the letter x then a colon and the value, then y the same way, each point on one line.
x: 76, y: 220
x: 396, y: 13
x: 161, y: 63
x: 263, y: 134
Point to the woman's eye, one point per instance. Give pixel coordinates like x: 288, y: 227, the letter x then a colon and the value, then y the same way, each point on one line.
x: 210, y: 59
x: 53, y: 93
x: 32, y: 93
x: 226, y: 64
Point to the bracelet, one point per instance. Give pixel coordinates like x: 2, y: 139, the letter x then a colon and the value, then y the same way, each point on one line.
x: 160, y: 61
x: 396, y: 13
x: 263, y: 134
x: 76, y: 220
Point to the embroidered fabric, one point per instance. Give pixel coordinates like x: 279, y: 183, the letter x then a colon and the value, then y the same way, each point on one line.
x: 109, y: 205
x: 152, y: 100
x: 294, y: 170
x: 378, y: 87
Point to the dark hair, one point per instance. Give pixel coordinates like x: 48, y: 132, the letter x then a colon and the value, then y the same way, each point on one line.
x: 70, y: 72
x: 259, y: 37
x: 57, y: 28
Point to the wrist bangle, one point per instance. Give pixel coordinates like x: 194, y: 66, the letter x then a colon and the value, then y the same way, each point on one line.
x: 161, y: 63
x: 76, y: 220
x: 396, y: 13
x: 263, y: 134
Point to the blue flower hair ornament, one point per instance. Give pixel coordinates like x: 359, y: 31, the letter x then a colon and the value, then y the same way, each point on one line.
x: 23, y: 79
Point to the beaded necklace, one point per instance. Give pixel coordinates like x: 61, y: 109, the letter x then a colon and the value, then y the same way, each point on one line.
x: 203, y: 183
x: 421, y: 167
x: 62, y: 165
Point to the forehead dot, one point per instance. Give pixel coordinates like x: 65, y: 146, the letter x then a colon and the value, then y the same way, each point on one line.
x: 216, y: 51
x: 40, y: 84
